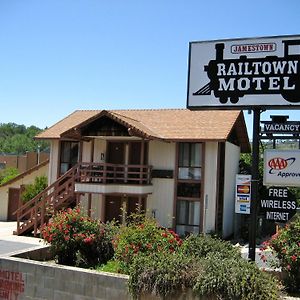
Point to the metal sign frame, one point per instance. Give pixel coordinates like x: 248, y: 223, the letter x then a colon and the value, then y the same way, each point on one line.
x: 246, y: 73
x: 281, y: 168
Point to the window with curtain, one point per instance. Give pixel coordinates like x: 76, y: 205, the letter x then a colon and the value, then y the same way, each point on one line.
x: 189, y: 164
x: 188, y: 208
x: 69, y: 154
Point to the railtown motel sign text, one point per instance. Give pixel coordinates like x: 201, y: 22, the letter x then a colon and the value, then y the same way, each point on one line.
x: 262, y: 72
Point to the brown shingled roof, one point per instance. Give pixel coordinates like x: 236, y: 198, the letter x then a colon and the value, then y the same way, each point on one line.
x: 165, y: 124
x: 70, y: 121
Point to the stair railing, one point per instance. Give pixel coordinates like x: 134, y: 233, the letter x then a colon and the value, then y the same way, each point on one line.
x: 35, y: 210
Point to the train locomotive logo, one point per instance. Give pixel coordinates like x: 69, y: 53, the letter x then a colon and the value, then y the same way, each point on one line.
x: 232, y: 79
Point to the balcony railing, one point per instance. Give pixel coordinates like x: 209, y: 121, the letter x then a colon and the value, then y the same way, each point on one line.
x: 106, y: 173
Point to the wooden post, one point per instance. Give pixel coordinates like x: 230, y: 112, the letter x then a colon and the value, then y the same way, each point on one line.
x: 142, y: 161
x: 89, y: 204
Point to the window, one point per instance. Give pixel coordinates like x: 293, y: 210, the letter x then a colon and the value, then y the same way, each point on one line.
x: 189, y: 164
x: 188, y: 208
x: 188, y: 190
x: 188, y: 217
x: 69, y: 152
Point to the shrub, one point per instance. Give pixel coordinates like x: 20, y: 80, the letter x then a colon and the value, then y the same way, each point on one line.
x: 162, y: 274
x: 207, y: 266
x: 285, y: 245
x: 204, y: 245
x: 143, y: 236
x: 232, y: 278
x: 97, y: 248
x: 75, y: 238
x: 31, y: 190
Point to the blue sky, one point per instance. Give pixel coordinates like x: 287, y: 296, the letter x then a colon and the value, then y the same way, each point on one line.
x: 57, y: 56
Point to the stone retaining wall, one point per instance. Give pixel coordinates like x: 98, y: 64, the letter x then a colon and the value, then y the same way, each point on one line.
x: 22, y: 278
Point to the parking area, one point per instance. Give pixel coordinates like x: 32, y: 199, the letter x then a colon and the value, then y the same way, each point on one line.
x: 10, y: 243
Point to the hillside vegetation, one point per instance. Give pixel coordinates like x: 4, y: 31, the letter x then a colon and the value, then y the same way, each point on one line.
x: 18, y: 139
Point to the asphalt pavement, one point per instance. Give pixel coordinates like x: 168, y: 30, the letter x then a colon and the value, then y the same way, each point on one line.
x: 10, y: 243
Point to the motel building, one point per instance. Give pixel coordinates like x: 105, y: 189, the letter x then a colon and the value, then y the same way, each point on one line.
x: 178, y: 165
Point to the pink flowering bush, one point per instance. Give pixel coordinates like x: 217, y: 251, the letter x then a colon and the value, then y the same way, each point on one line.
x: 285, y: 244
x: 143, y: 236
x: 75, y: 238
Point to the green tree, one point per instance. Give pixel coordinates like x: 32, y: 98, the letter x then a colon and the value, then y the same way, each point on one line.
x: 19, y: 139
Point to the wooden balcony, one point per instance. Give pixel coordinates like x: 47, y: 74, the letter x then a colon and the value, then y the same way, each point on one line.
x: 106, y: 173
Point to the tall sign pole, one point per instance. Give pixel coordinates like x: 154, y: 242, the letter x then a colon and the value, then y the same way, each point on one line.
x: 252, y: 73
x: 254, y: 184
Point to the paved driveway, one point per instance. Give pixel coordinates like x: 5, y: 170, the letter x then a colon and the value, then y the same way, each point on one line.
x: 10, y: 243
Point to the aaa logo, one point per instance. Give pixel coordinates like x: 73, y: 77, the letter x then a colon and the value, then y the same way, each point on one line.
x: 279, y: 163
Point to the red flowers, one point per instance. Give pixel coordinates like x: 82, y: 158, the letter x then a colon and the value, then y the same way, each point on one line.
x: 88, y: 240
x: 145, y: 238
x: 294, y: 257
x: 263, y: 258
x: 285, y: 247
x: 71, y: 231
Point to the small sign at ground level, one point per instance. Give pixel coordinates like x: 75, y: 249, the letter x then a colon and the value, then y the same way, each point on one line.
x: 243, y: 194
x: 279, y: 204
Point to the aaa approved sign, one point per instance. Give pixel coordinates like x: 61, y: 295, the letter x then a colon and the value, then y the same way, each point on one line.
x: 282, y: 167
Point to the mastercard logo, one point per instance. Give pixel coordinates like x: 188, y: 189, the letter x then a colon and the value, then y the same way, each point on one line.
x: 243, y: 189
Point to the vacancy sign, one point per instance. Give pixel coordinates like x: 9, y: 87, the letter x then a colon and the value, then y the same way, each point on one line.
x: 241, y: 73
x: 242, y: 194
x: 282, y: 168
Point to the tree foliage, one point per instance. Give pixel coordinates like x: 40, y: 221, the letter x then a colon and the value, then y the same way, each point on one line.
x: 18, y: 139
x: 31, y: 190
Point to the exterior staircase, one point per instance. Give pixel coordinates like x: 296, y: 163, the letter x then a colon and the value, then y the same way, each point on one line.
x: 39, y: 210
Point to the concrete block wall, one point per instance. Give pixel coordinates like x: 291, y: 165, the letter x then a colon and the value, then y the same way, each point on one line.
x: 27, y: 279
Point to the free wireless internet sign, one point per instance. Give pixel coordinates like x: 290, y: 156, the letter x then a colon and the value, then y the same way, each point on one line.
x: 239, y: 73
x: 278, y: 204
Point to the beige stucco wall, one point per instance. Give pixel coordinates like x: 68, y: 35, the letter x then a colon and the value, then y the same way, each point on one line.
x: 210, y: 186
x: 160, y: 203
x: 232, y: 155
x: 54, y: 159
x: 162, y: 156
x: 29, y: 178
x: 86, y: 151
x: 96, y: 205
x: 99, y: 147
